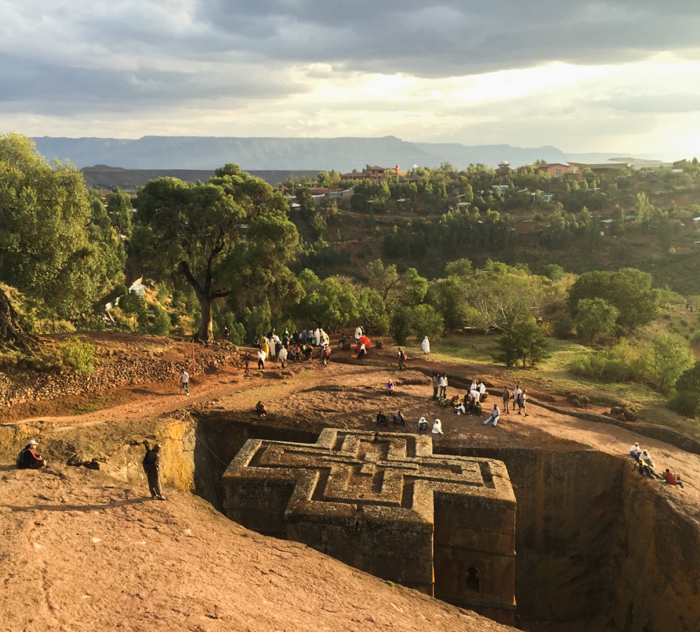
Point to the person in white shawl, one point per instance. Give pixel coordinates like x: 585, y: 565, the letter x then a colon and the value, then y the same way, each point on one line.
x: 437, y: 427
x: 425, y: 345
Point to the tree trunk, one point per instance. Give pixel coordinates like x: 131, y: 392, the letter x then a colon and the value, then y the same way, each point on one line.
x: 206, y: 327
x: 11, y: 331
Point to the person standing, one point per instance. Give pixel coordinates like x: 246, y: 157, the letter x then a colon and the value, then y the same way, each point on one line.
x: 185, y: 377
x: 246, y: 360
x: 282, y: 356
x: 506, y: 400
x: 425, y: 346
x: 516, y: 397
x: 436, y: 384
x: 325, y: 355
x: 226, y: 333
x: 522, y: 403
x: 402, y: 359
x: 495, y: 414
x: 28, y: 459
x: 151, y: 466
x: 262, y: 356
x: 443, y: 385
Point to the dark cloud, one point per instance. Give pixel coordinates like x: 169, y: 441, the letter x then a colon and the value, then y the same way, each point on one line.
x: 44, y: 88
x: 452, y: 37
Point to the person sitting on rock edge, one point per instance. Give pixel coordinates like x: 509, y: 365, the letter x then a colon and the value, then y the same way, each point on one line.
x: 260, y: 409
x: 381, y: 419
x: 399, y: 419
x: 635, y: 451
x: 422, y: 424
x: 27, y: 459
x: 437, y: 427
x: 671, y: 479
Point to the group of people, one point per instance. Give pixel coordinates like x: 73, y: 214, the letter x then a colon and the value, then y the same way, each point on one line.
x: 295, y: 348
x: 646, y: 466
x: 399, y: 420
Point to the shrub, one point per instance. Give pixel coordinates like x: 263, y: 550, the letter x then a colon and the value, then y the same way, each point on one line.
x: 562, y: 326
x: 79, y: 355
x: 522, y: 342
x: 161, y: 322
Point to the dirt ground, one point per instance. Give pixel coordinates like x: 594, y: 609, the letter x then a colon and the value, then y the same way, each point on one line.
x: 82, y: 550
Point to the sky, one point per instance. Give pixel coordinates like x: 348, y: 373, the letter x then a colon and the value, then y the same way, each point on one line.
x: 584, y: 76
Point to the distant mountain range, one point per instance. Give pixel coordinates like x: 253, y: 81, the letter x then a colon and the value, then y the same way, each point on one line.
x: 288, y: 154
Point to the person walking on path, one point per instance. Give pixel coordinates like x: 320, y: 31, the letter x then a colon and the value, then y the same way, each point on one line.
x: 495, y: 414
x: 436, y: 384
x: 325, y: 355
x: 425, y: 346
x: 185, y: 377
x: 151, y: 466
x: 402, y: 359
x: 506, y: 400
x: 28, y: 459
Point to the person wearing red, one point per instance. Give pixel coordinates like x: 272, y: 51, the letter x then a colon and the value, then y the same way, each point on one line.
x: 28, y: 459
x: 671, y: 479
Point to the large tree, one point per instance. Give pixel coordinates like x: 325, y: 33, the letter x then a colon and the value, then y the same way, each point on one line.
x: 228, y: 238
x: 45, y: 251
x: 628, y: 290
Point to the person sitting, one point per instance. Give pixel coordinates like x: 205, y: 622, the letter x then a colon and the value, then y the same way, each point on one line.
x: 260, y: 409
x: 437, y: 427
x: 635, y: 451
x: 454, y: 402
x: 647, y: 457
x: 495, y: 414
x: 422, y: 424
x: 443, y: 400
x: 474, y: 396
x: 390, y: 386
x: 645, y: 469
x: 476, y: 409
x: 381, y: 419
x: 671, y: 479
x: 342, y: 341
x: 28, y: 459
x: 399, y: 419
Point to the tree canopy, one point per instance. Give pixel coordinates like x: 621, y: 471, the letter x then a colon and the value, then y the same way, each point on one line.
x: 45, y: 250
x: 228, y: 237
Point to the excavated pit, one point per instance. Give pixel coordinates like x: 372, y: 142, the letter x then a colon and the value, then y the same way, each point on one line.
x: 595, y: 543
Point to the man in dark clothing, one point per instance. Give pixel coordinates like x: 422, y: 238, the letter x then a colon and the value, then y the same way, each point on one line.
x: 28, y: 459
x: 226, y: 333
x: 402, y: 359
x: 151, y: 465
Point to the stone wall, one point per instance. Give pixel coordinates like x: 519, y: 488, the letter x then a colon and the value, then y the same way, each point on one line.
x: 18, y: 386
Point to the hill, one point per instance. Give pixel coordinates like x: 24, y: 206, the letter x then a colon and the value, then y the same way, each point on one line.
x: 344, y: 154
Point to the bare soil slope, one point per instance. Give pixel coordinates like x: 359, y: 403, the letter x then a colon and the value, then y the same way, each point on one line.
x: 80, y: 550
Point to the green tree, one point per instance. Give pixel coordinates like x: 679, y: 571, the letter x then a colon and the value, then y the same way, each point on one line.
x: 669, y: 357
x: 385, y: 279
x: 228, y: 237
x: 595, y: 318
x: 329, y: 303
x: 416, y: 287
x: 522, y: 342
x: 45, y: 251
x: 687, y: 399
x: 120, y: 211
x: 628, y: 290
